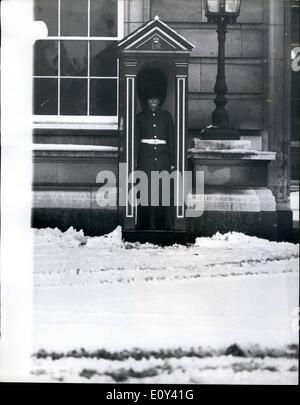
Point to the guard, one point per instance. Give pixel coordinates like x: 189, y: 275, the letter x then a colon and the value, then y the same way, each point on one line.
x: 155, y: 148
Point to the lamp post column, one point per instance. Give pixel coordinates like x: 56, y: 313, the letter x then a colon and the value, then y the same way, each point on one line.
x: 220, y: 115
x: 222, y: 13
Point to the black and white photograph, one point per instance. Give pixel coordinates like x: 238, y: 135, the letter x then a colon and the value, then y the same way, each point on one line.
x: 150, y: 193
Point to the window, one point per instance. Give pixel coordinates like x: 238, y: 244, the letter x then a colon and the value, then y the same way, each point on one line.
x: 75, y: 71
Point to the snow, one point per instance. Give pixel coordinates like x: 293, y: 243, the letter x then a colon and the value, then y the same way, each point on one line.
x: 101, y: 293
x: 71, y: 147
x: 208, y: 370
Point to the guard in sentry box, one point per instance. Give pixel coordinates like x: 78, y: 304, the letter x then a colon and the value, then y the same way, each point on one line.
x: 155, y: 148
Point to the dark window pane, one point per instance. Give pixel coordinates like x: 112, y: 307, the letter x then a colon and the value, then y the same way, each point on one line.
x: 73, y: 97
x: 45, y: 92
x: 103, y: 97
x: 73, y: 56
x: 104, y: 18
x: 73, y: 18
x: 45, y: 58
x: 47, y: 11
x: 102, y: 62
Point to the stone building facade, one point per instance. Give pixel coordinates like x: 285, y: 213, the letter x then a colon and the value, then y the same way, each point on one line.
x: 77, y: 127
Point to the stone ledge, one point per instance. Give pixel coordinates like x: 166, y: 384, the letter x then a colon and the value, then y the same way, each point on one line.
x: 225, y: 154
x: 73, y: 151
x: 83, y: 199
x: 254, y: 199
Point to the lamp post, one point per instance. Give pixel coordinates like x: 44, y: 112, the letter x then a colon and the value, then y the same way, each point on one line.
x: 221, y: 12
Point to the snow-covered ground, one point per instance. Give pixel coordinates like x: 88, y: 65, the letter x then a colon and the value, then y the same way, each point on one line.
x: 222, y: 310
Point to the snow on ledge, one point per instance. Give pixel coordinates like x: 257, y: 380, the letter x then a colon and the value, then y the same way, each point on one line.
x: 71, y: 147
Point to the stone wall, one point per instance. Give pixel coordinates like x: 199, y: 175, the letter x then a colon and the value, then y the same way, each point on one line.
x: 245, y: 63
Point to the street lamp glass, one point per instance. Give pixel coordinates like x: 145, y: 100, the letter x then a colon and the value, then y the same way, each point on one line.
x: 232, y: 6
x: 212, y: 6
x: 222, y: 7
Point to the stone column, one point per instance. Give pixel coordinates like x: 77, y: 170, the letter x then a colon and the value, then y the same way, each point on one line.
x: 278, y: 112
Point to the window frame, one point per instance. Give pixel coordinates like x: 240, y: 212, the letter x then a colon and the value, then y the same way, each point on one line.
x: 108, y: 122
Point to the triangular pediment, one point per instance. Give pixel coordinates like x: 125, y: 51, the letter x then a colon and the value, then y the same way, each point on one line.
x: 155, y: 36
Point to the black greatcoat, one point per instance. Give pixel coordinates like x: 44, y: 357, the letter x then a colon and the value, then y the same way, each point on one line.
x: 150, y: 157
